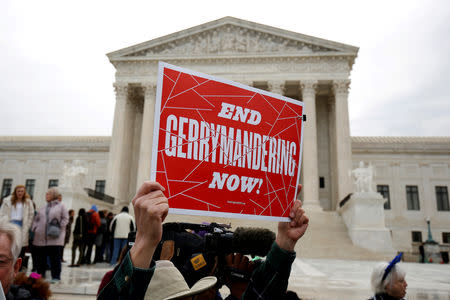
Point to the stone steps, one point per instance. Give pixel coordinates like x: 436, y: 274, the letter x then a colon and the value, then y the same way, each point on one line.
x: 327, y: 237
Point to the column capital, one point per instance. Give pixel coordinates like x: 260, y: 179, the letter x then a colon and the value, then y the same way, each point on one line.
x: 276, y: 86
x: 149, y: 89
x: 148, y: 86
x: 121, y: 89
x: 308, y: 87
x: 341, y: 86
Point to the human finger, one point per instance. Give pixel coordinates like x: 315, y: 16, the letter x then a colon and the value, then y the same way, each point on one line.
x: 298, y: 214
x: 147, y: 187
x: 304, y: 220
x: 295, y: 206
x: 146, y: 203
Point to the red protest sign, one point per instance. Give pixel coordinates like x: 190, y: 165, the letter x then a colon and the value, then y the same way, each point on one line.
x: 224, y: 149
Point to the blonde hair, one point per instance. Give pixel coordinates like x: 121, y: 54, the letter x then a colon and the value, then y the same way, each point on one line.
x: 14, y: 199
x: 376, y: 280
x: 54, y: 192
x: 13, y: 233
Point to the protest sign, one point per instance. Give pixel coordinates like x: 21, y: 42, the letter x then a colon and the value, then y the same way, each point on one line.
x: 224, y: 149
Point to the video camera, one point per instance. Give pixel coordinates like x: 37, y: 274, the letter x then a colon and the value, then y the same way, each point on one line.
x: 199, y: 250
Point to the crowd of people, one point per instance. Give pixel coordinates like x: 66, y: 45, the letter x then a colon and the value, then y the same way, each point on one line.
x: 102, y: 230
x: 45, y: 231
x: 138, y: 272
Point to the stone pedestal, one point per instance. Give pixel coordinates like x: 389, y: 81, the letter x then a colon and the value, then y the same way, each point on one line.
x: 75, y: 199
x: 79, y: 199
x: 432, y: 252
x: 363, y: 214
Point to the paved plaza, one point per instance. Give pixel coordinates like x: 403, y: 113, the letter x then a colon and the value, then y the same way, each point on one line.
x: 310, y: 278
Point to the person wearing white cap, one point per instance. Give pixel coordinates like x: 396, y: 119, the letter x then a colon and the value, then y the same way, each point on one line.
x: 167, y: 283
x: 270, y: 279
x: 139, y: 276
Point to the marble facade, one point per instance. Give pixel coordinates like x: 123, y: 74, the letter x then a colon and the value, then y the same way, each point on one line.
x: 306, y: 68
x: 309, y: 69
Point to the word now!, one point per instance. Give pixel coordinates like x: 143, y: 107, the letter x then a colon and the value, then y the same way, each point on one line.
x: 232, y: 182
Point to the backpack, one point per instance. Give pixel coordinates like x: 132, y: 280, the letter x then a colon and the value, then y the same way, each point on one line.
x: 102, y: 228
x: 90, y: 221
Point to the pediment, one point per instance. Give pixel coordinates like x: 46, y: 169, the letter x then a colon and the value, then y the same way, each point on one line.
x: 232, y: 37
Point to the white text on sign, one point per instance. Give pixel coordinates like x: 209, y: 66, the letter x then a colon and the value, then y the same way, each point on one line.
x: 237, y: 113
x: 199, y: 140
x: 232, y: 182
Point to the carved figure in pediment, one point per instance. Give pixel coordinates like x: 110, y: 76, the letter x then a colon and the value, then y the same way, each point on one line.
x: 241, y: 42
x: 231, y: 39
x: 306, y: 49
x: 201, y: 46
x: 189, y: 47
x: 214, y: 42
x: 227, y: 41
x: 252, y: 42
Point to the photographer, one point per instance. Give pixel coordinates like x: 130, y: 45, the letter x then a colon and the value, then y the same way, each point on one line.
x: 270, y: 279
x: 132, y: 277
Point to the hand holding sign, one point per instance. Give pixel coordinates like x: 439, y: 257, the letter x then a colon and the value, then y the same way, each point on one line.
x: 290, y: 232
x: 150, y: 209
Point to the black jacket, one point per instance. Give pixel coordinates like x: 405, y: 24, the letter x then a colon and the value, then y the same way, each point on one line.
x: 384, y: 296
x: 18, y: 293
x: 80, y: 230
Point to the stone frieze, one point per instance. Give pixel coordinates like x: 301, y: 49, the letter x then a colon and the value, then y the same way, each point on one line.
x: 231, y: 39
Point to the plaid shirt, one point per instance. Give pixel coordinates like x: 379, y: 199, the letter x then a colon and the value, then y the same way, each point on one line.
x: 270, y: 279
x: 128, y: 282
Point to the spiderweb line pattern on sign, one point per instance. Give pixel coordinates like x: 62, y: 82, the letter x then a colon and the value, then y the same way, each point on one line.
x: 173, y: 87
x: 218, y: 131
x: 190, y: 188
x: 205, y: 202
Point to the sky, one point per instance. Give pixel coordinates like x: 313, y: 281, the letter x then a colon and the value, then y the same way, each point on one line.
x: 55, y: 78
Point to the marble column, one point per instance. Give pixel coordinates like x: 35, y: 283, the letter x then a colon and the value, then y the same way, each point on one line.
x: 276, y: 86
x: 310, y: 154
x: 342, y: 142
x: 116, y: 180
x: 145, y: 152
x: 136, y: 116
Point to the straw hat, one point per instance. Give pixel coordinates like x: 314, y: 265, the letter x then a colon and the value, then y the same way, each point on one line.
x: 167, y: 283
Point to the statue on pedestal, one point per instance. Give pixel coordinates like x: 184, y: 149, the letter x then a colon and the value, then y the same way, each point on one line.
x: 74, y: 176
x: 363, y: 178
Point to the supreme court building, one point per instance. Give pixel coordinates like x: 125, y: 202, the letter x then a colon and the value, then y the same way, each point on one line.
x: 412, y: 173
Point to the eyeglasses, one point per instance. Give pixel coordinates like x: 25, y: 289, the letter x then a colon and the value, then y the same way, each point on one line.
x: 391, y: 265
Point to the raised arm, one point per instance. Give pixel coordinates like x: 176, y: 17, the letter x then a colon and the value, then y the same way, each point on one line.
x: 131, y: 278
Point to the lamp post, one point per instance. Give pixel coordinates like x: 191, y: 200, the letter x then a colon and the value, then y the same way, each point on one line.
x: 431, y: 248
x: 430, y: 237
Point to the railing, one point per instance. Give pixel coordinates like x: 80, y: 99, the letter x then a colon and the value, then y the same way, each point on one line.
x: 99, y: 196
x: 343, y: 201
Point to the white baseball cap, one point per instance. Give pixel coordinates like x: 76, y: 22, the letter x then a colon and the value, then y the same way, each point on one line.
x: 167, y: 283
